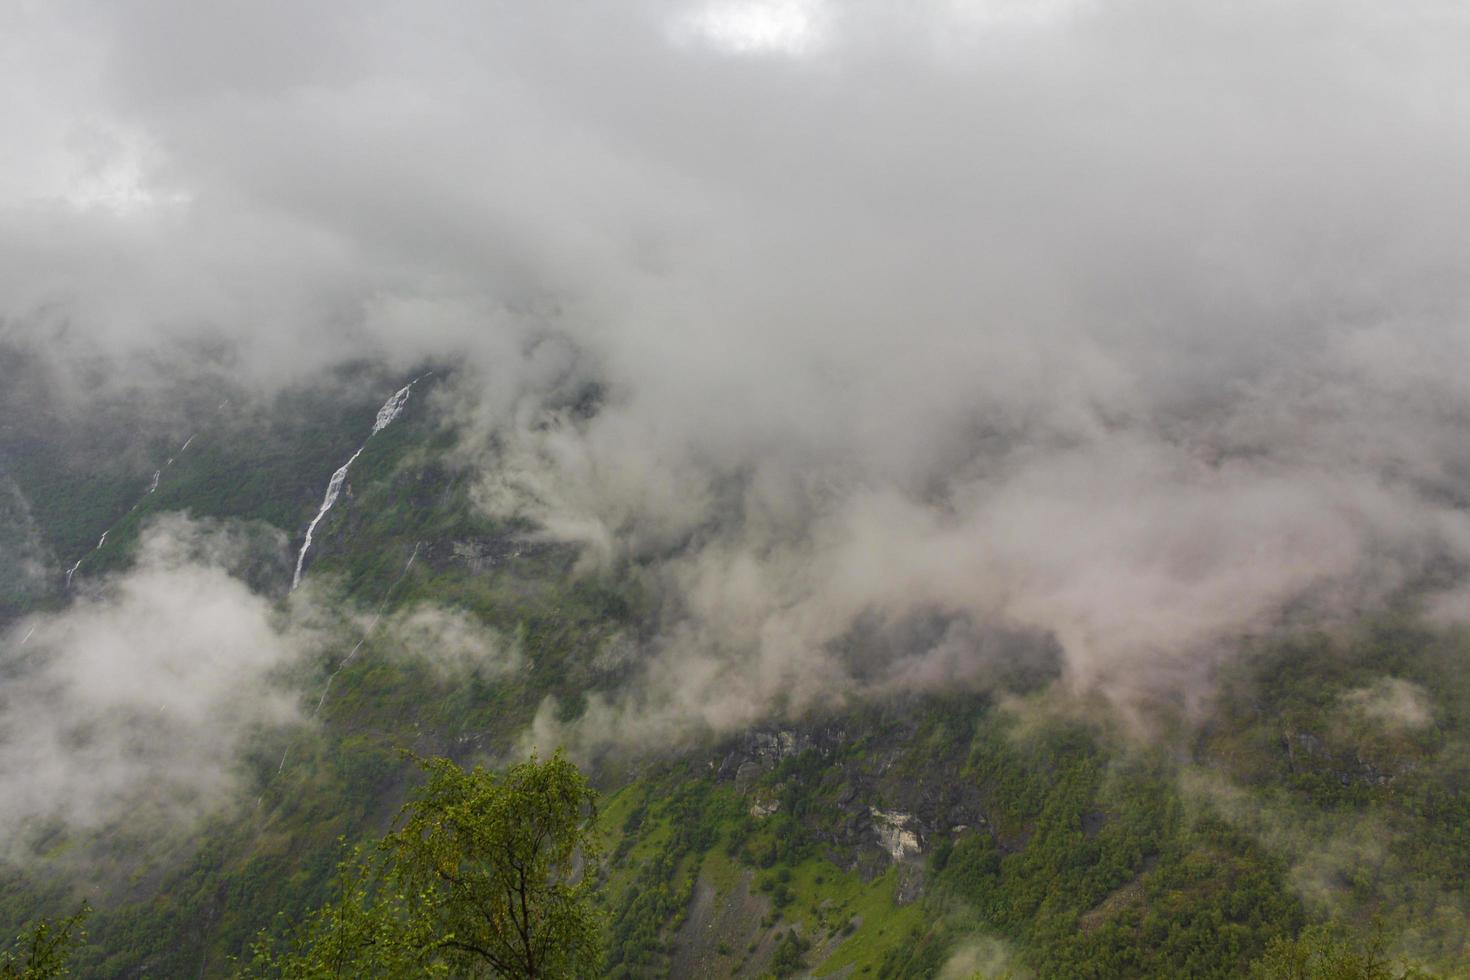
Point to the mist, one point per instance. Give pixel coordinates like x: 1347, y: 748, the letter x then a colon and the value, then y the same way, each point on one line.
x: 1132, y: 325
x: 136, y: 701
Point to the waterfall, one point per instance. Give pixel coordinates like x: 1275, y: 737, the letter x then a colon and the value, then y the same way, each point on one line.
x: 391, y: 409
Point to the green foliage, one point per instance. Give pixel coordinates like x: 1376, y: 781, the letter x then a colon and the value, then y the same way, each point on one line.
x: 481, y: 879
x: 45, y: 951
x: 363, y: 932
x: 788, y: 957
x: 689, y: 821
x: 1089, y: 859
x: 1091, y: 867
x: 1377, y: 803
x: 1318, y: 953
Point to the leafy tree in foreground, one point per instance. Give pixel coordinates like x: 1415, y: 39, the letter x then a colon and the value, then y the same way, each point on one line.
x: 1317, y: 954
x: 480, y: 879
x: 45, y: 951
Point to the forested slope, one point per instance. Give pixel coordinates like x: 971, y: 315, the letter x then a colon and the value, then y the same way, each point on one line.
x: 1010, y: 825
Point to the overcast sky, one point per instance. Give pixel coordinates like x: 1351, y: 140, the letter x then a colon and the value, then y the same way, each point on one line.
x: 843, y: 194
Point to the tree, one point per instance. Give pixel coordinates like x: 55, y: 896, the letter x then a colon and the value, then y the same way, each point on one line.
x: 1318, y: 954
x: 45, y: 952
x: 485, y: 876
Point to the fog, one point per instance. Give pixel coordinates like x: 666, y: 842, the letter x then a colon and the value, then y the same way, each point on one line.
x: 135, y: 702
x: 1135, y: 325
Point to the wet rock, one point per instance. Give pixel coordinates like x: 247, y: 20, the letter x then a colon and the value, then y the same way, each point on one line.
x: 749, y: 771
x: 895, y: 834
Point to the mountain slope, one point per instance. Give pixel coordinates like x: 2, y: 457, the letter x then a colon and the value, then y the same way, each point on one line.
x: 1010, y: 823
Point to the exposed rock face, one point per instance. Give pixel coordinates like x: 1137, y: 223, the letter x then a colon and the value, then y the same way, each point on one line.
x: 1309, y: 743
x: 894, y: 835
x: 911, y: 880
x: 1307, y: 752
x: 481, y: 555
x: 851, y: 790
x: 760, y: 809
x: 759, y: 752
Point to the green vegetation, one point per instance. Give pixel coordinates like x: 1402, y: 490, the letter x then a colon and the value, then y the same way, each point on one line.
x: 1095, y: 857
x: 1317, y: 954
x: 480, y: 879
x: 1329, y: 784
x: 45, y: 951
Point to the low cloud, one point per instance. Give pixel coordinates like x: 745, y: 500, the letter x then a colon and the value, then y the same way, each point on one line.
x: 1392, y: 702
x: 983, y: 959
x: 1144, y: 559
x: 451, y: 642
x: 140, y: 696
x: 1338, y: 863
x: 1126, y: 328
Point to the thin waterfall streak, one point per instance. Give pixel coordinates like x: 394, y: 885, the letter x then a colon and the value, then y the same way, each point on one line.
x: 152, y: 487
x: 391, y: 409
x: 334, y: 489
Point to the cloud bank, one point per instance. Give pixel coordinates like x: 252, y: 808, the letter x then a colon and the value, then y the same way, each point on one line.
x: 139, y: 697
x: 1133, y: 324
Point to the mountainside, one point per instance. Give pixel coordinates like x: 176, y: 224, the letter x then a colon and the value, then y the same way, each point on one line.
x: 979, y: 487
x: 1004, y: 824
